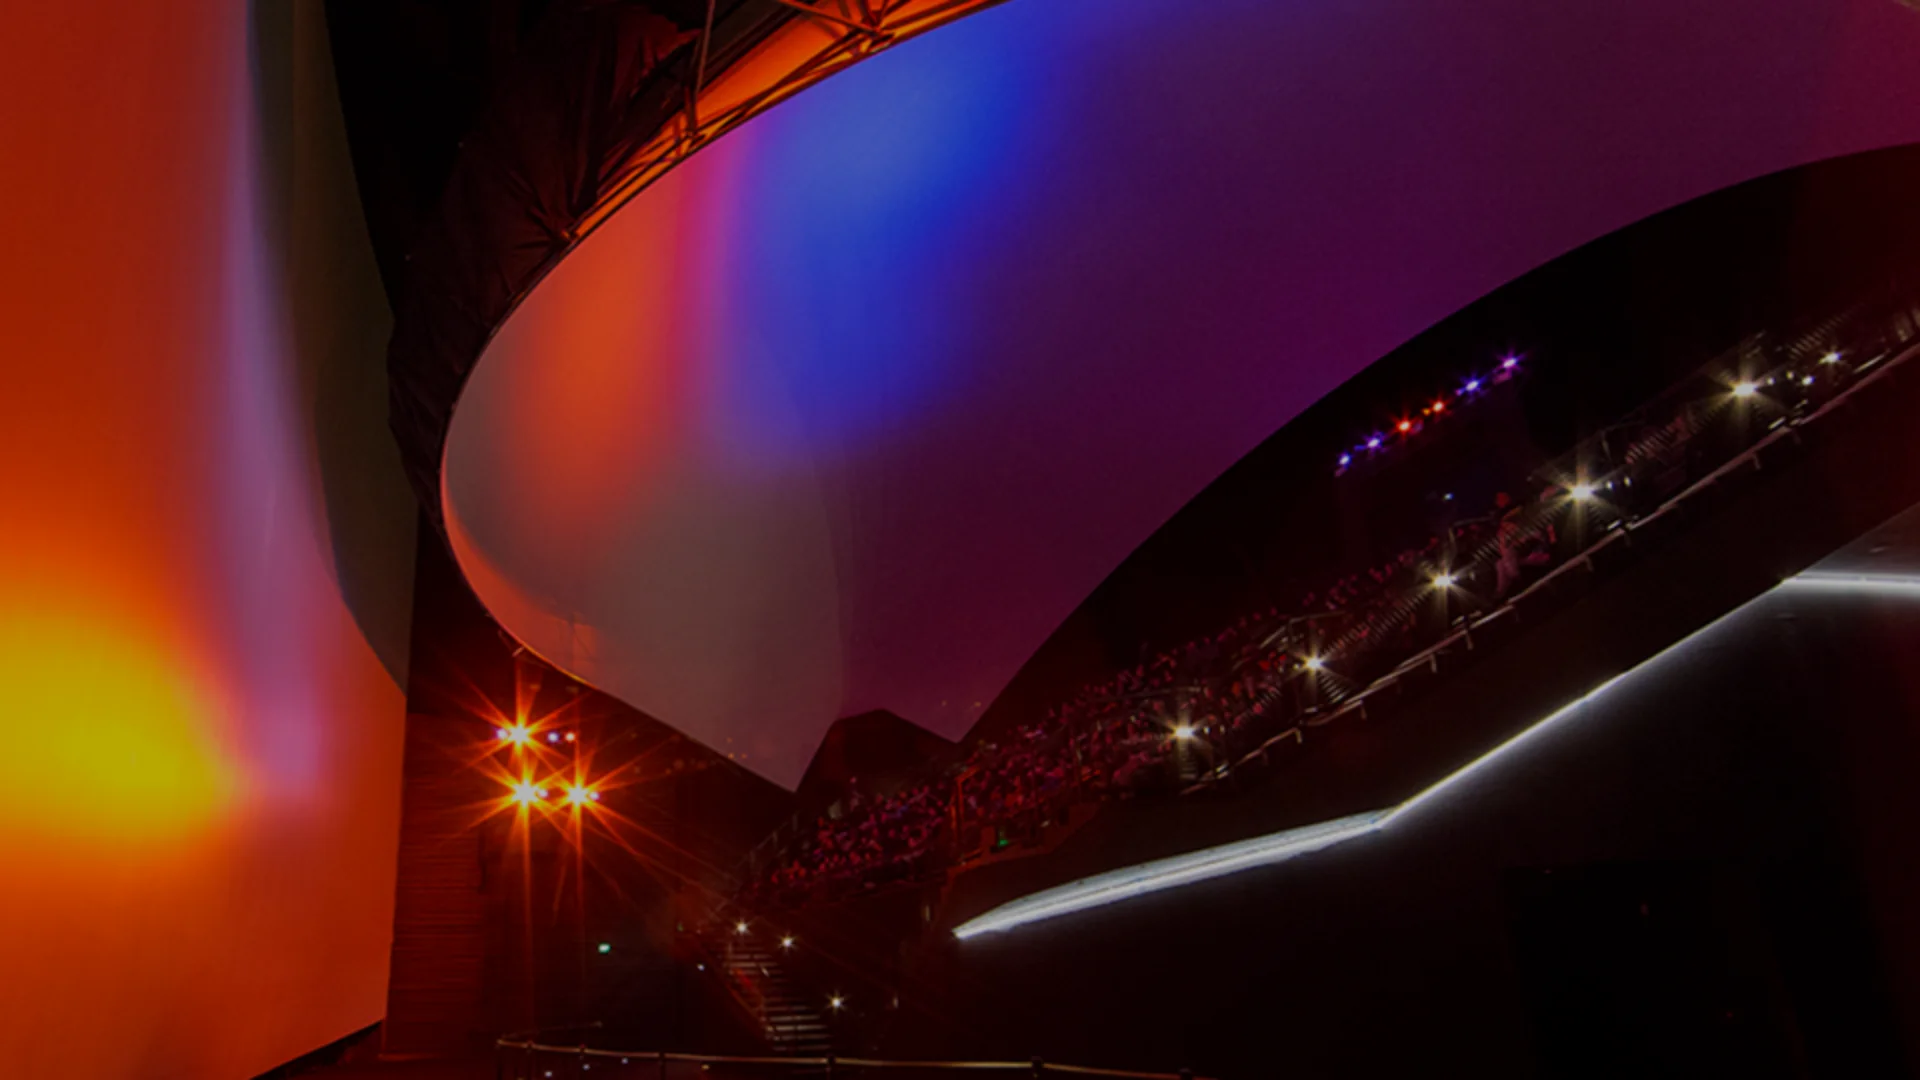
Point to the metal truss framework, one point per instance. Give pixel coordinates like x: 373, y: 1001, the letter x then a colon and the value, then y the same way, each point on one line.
x: 611, y: 99
x: 827, y: 37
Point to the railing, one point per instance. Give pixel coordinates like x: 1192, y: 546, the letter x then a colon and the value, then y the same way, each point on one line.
x: 525, y: 1059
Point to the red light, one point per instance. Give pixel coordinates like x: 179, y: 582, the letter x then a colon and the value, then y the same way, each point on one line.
x: 1439, y: 406
x: 569, y: 736
x: 1404, y: 426
x: 526, y: 793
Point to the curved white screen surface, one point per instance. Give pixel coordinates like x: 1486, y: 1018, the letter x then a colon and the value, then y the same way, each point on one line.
x: 854, y: 408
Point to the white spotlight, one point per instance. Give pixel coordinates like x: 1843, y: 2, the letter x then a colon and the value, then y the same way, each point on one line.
x: 1745, y: 389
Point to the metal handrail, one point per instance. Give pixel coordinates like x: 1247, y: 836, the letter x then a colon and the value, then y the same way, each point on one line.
x: 1033, y: 1067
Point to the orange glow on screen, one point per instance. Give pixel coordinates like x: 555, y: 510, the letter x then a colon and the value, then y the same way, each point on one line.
x: 107, y: 740
x: 199, y: 798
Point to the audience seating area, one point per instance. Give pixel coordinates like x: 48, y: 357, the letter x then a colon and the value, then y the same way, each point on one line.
x: 1178, y: 721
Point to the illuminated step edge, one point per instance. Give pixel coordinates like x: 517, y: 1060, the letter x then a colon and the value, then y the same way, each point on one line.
x: 1887, y: 583
x: 1132, y: 881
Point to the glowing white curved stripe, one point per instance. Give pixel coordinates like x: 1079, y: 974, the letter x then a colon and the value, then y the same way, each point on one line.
x: 1538, y: 726
x: 1132, y: 881
x: 1884, y: 583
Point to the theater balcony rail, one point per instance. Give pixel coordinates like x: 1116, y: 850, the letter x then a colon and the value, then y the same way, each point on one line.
x: 525, y: 1059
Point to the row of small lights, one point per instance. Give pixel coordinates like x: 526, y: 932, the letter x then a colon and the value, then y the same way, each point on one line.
x: 1406, y: 427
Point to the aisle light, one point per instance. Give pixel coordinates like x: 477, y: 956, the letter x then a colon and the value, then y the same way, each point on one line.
x: 1745, y: 389
x: 1581, y: 492
x: 1444, y: 580
x: 1315, y: 663
x: 1183, y: 732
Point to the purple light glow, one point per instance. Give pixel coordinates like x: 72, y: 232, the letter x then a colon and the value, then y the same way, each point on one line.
x: 647, y: 493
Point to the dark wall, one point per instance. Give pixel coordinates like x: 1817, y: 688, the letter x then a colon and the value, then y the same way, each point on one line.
x: 1708, y: 872
x: 500, y: 912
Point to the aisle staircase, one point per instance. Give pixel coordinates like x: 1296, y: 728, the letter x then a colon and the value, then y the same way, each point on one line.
x: 787, y: 1016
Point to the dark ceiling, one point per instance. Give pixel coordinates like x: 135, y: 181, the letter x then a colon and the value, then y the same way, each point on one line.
x: 416, y: 75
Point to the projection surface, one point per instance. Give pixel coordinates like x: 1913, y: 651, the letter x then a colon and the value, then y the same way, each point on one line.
x: 200, y: 808
x: 852, y: 410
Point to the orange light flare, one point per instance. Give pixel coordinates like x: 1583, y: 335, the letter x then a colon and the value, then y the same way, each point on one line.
x: 571, y: 800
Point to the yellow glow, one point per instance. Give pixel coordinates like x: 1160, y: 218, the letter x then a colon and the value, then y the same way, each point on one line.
x: 526, y: 793
x: 106, y: 737
x: 1745, y: 389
